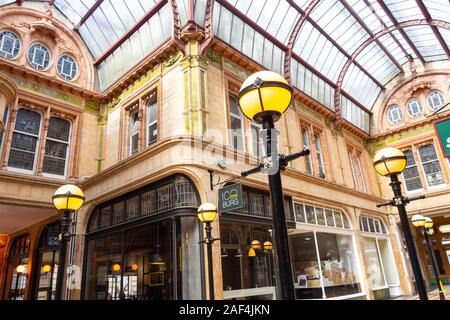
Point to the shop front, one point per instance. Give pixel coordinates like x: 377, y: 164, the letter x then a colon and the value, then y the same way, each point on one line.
x: 144, y: 245
x: 324, y: 254
x: 248, y: 271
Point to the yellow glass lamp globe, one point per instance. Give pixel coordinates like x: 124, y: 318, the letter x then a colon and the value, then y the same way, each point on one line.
x: 251, y: 252
x: 68, y: 197
x: 46, y: 268
x: 389, y: 161
x: 428, y: 223
x: 207, y: 212
x: 265, y: 93
x: 268, y: 245
x: 255, y: 245
x: 418, y: 220
x: 20, y: 268
x: 116, y: 267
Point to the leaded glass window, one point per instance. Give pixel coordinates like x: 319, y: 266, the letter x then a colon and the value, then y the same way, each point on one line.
x: 414, y: 108
x: 308, y: 161
x: 67, y: 67
x: 317, y: 215
x: 430, y: 164
x: 56, y: 147
x: 411, y: 174
x: 237, y: 125
x: 134, y: 132
x: 25, y: 139
x: 9, y: 45
x: 39, y: 56
x: 435, y: 99
x: 371, y: 225
x: 152, y: 121
x: 395, y: 114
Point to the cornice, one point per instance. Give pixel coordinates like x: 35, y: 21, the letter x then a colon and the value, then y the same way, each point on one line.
x: 31, y: 179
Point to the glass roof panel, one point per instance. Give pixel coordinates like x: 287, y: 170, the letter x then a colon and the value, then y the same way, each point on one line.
x: 391, y: 45
x: 446, y: 35
x: 426, y: 43
x: 404, y: 10
x: 438, y: 9
x: 360, y: 86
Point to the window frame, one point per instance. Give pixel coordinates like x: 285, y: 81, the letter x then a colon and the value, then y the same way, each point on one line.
x: 428, y: 99
x: 418, y: 172
x: 239, y: 117
x: 131, y: 115
x: 304, y: 132
x: 319, y: 155
x: 38, y: 142
x: 67, y: 159
x: 19, y: 53
x: 303, y: 205
x: 50, y: 58
x: 418, y: 103
x: 440, y: 185
x: 77, y: 73
x: 150, y: 101
x: 388, y: 114
x: 361, y: 172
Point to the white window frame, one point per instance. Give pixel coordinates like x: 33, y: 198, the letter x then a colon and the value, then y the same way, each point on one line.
x: 233, y: 133
x: 149, y: 124
x: 38, y: 136
x: 389, y: 114
x: 18, y: 40
x: 306, y: 144
x: 319, y: 154
x: 414, y: 102
x: 361, y: 172
x: 32, y: 62
x: 441, y: 95
x: 66, y: 160
x: 324, y: 208
x: 64, y: 76
x: 404, y: 180
x: 438, y: 186
x: 130, y: 132
x: 352, y: 166
x: 254, y: 126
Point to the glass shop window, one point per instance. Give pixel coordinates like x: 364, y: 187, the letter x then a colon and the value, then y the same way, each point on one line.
x: 430, y: 165
x: 411, y: 173
x: 16, y: 280
x: 236, y: 124
x: 56, y: 147
x: 9, y: 45
x: 25, y: 140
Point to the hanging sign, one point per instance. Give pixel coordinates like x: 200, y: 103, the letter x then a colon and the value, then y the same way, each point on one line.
x: 443, y: 132
x: 230, y: 198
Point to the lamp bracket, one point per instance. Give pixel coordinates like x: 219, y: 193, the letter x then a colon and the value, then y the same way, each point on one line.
x: 398, y: 201
x: 220, y: 183
x: 209, y: 240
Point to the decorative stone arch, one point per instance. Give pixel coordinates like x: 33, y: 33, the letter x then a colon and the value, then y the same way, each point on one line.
x: 48, y: 22
x: 401, y: 25
x: 8, y: 91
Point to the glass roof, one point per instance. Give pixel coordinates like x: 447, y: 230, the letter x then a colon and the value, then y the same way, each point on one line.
x: 356, y: 46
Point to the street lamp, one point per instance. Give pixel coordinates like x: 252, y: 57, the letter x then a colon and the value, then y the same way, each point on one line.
x: 264, y: 97
x: 207, y: 213
x: 67, y: 199
x: 390, y: 162
x: 425, y: 224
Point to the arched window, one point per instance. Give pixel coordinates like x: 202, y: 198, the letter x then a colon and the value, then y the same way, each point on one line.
x: 56, y: 147
x: 414, y: 108
x: 435, y: 99
x: 39, y: 56
x: 24, y: 145
x: 395, y: 114
x: 67, y: 67
x: 371, y: 225
x: 9, y: 45
x: 312, y: 214
x: 16, y: 280
x: 236, y: 124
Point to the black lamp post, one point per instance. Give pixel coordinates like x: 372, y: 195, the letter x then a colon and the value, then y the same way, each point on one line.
x: 67, y: 199
x: 425, y: 224
x: 264, y: 97
x: 207, y: 213
x: 391, y: 162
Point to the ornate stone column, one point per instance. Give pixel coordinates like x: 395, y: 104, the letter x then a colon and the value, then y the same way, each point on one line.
x: 8, y: 90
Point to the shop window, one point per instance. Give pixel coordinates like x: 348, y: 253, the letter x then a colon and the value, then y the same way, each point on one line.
x: 9, y: 45
x: 39, y: 56
x: 324, y: 265
x: 319, y: 155
x: 67, y: 67
x: 411, y: 173
x: 16, y: 281
x: 316, y: 215
x: 47, y: 263
x: 371, y: 225
x: 308, y: 160
x: 236, y: 124
x: 134, y: 132
x: 152, y: 120
x: 430, y: 165
x: 56, y: 147
x: 414, y: 108
x: 25, y: 139
x: 435, y: 99
x: 394, y: 114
